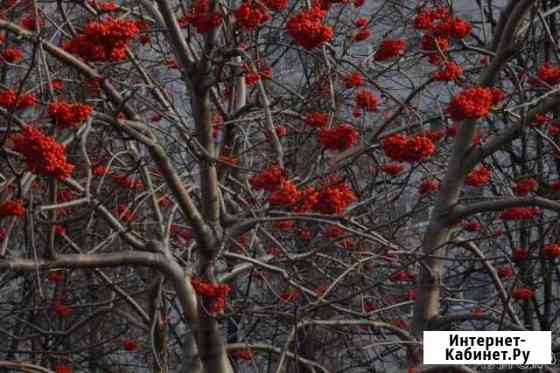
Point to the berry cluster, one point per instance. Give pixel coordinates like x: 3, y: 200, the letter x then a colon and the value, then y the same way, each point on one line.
x: 316, y: 119
x: 471, y: 226
x: 389, y: 48
x: 284, y: 225
x: 519, y: 213
x: 285, y: 195
x: 361, y: 35
x: 552, y: 251
x: 548, y: 73
x: 12, y: 207
x: 269, y: 179
x: 428, y: 186
x: 333, y: 232
x: 334, y: 198
x: 525, y: 186
x: 126, y: 182
x: 522, y: 293
x: 439, y: 27
x: 56, y: 277
x: 392, y: 169
x: 243, y: 355
x: 542, y: 119
x: 29, y: 23
x: 10, y: 100
x: 183, y: 233
x: 450, y: 71
x: 366, y: 101
x: 281, y: 131
x: 69, y: 115
x: 290, y: 295
x: 61, y: 368
x: 353, y: 80
x: 408, y: 149
x: 519, y: 254
x: 252, y: 76
x: 403, y: 276
x: 307, y: 29
x: 505, y: 272
x: 129, y: 344
x: 276, y: 5
x: 201, y: 17
x: 125, y: 213
x: 474, y: 102
x: 12, y: 55
x: 341, y: 137
x: 42, y: 153
x: 216, y: 292
x: 360, y: 22
x: 251, y: 15
x: 103, y: 40
x: 62, y: 310
x: 478, y: 177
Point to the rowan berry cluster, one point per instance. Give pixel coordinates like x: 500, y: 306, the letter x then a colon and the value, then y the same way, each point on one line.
x: 353, y: 80
x: 201, y: 17
x: 361, y: 35
x: 12, y: 55
x: 450, y: 71
x: 366, y: 101
x: 285, y: 195
x: 12, y: 207
x: 316, y: 119
x: 478, y: 177
x: 103, y: 41
x: 440, y: 27
x: 519, y: 254
x: 61, y: 368
x: 127, y: 182
x: 403, y: 276
x: 408, y: 149
x: 552, y: 251
x: 29, y: 23
x: 519, y: 213
x: 334, y: 198
x: 340, y: 138
x: 471, y: 226
x: 62, y: 310
x: 522, y: 293
x: 290, y: 295
x: 429, y: 185
x: 216, y: 292
x: 389, y: 48
x: 505, y: 272
x: 69, y: 115
x: 474, y: 102
x: 243, y: 355
x: 307, y: 28
x: 548, y: 73
x: 10, y: 100
x: 392, y: 169
x: 525, y: 186
x: 333, y: 232
x: 269, y: 179
x: 251, y: 15
x: 129, y: 344
x: 42, y: 153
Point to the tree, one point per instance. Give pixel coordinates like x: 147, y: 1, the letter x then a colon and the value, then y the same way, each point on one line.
x: 273, y: 186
